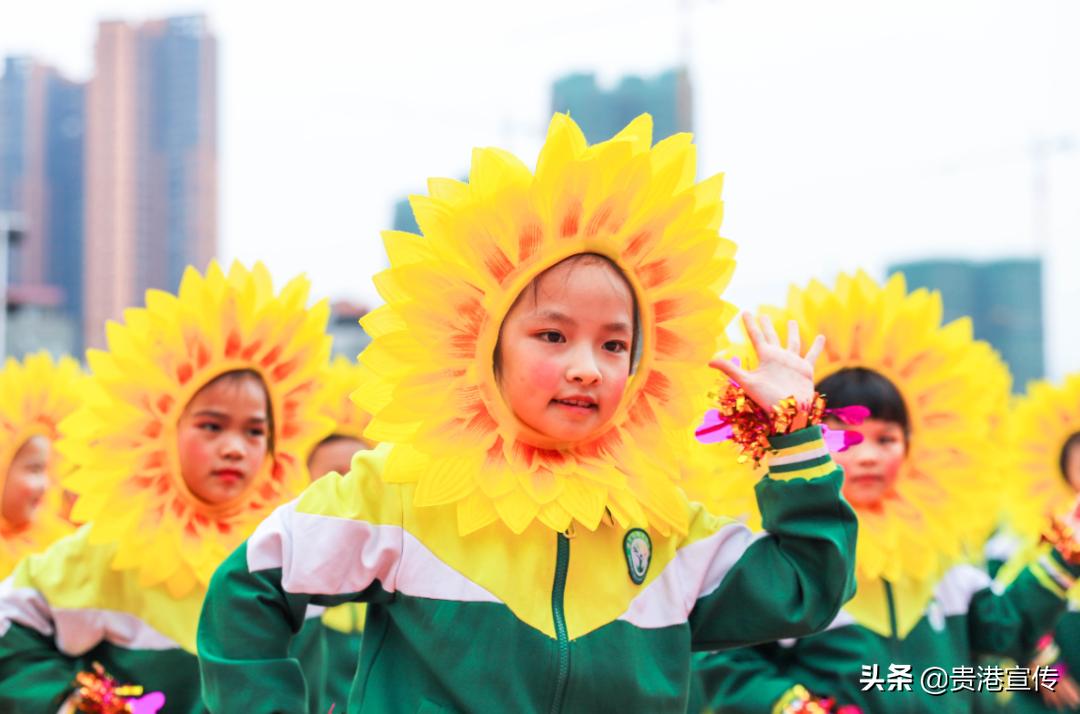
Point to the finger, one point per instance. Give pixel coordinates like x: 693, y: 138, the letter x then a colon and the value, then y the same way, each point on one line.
x: 753, y: 332
x: 770, y: 331
x: 1071, y: 693
x: 815, y: 350
x: 794, y: 343
x: 732, y: 370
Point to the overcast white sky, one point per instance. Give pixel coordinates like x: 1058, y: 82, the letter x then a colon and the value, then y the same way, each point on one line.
x: 852, y: 133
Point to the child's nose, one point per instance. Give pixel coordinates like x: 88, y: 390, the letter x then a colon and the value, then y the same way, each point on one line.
x: 583, y: 368
x: 866, y: 454
x: 232, y: 447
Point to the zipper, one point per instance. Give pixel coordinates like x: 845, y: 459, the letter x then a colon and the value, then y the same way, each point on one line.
x: 892, y: 611
x: 894, y: 635
x: 558, y: 592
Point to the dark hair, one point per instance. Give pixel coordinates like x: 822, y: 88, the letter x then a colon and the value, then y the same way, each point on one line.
x: 1063, y: 460
x: 572, y: 262
x: 332, y: 439
x: 853, y: 386
x: 238, y: 375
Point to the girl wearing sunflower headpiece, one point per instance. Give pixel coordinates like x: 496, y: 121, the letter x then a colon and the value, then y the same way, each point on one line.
x: 1045, y: 442
x: 924, y: 482
x: 195, y: 422
x: 519, y: 536
x: 35, y: 395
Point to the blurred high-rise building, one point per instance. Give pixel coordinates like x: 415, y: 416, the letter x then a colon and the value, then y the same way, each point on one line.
x: 602, y: 113
x: 1003, y: 298
x: 344, y: 326
x: 151, y: 162
x: 404, y: 220
x: 41, y: 179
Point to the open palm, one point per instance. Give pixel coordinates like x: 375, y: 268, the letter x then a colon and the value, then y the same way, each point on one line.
x: 782, y: 371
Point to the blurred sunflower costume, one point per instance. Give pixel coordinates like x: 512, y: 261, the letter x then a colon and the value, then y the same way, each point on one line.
x: 956, y: 392
x: 126, y: 589
x: 123, y: 440
x: 35, y: 395
x: 1039, y: 425
x: 337, y: 384
x: 923, y: 598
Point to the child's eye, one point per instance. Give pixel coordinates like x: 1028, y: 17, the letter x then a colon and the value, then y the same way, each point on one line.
x: 551, y: 336
x: 209, y: 426
x: 616, y: 346
x: 257, y: 432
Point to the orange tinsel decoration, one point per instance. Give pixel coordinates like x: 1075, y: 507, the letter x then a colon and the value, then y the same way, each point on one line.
x: 751, y: 425
x: 99, y: 693
x: 1062, y: 536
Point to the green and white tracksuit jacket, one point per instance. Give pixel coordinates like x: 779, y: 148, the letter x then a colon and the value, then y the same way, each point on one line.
x: 66, y: 608
x: 492, y: 622
x: 1002, y: 548
x: 963, y: 617
x: 1066, y: 636
x: 344, y: 631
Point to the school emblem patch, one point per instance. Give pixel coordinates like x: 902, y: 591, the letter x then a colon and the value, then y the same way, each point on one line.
x: 638, y: 548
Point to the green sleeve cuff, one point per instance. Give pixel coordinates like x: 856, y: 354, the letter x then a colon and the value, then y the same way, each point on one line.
x: 1053, y: 572
x: 800, y: 454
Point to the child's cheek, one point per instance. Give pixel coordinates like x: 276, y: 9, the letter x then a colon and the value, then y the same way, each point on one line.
x: 194, y: 456
x: 616, y: 386
x: 546, y: 375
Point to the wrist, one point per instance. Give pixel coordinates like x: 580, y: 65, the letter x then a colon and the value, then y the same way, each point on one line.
x: 99, y: 693
x: 1063, y: 536
x: 752, y: 426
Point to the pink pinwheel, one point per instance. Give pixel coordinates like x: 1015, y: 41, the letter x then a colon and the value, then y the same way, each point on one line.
x: 714, y: 428
x: 147, y: 704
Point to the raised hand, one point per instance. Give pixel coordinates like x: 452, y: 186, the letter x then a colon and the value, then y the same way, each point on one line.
x: 1072, y: 518
x: 782, y: 372
x: 1064, y: 697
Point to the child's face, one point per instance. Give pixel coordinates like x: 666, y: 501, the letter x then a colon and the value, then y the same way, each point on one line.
x: 27, y: 479
x: 565, y: 349
x: 334, y: 456
x: 871, y: 466
x: 1072, y: 467
x: 223, y: 438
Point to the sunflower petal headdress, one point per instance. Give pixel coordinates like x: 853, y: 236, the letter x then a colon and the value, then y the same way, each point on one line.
x: 337, y: 383
x: 123, y: 439
x: 956, y: 391
x: 714, y: 477
x: 1040, y: 423
x: 430, y: 384
x: 35, y: 395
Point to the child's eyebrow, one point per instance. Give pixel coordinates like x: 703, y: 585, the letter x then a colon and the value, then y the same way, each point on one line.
x: 222, y: 415
x: 555, y: 316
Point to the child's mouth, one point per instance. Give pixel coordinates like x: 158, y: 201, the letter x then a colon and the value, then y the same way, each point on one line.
x: 229, y: 476
x: 582, y: 404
